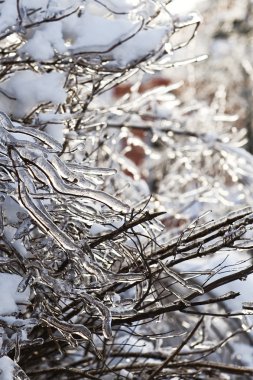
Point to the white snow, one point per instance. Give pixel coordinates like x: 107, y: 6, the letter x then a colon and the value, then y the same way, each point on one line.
x: 179, y: 6
x: 30, y: 89
x: 56, y: 131
x: 34, y: 3
x: 45, y: 41
x: 123, y: 38
x: 107, y: 33
x: 126, y: 374
x: 54, y: 124
x: 95, y: 33
x: 144, y: 43
x: 9, y: 297
x: 98, y: 229
x: 8, y: 14
x: 6, y: 368
x: 115, y: 5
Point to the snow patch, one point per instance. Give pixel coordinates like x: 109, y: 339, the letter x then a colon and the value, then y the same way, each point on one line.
x: 6, y: 368
x: 8, y: 14
x: 143, y: 44
x: 28, y: 89
x: 9, y: 297
x: 45, y: 42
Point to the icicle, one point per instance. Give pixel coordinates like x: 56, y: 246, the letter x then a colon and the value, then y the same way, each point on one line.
x: 181, y: 280
x: 67, y: 189
x: 127, y: 277
x: 6, y: 123
x: 180, y: 298
x: 120, y: 312
x: 92, y: 171
x: 105, y: 312
x: 44, y: 221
